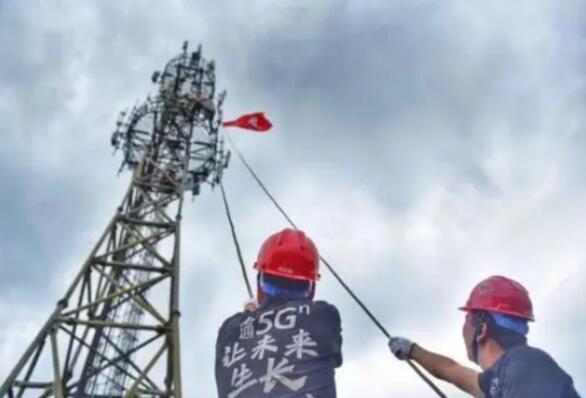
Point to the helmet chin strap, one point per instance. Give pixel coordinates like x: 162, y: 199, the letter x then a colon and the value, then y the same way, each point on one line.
x: 260, y: 295
x: 265, y: 289
x: 478, y: 322
x: 475, y: 345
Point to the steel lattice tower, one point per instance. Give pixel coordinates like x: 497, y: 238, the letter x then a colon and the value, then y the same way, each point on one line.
x: 115, y: 332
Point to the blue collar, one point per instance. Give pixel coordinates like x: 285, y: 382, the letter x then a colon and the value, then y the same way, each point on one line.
x: 274, y: 291
x: 513, y: 324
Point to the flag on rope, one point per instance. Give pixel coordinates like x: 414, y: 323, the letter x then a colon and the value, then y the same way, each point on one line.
x: 252, y: 121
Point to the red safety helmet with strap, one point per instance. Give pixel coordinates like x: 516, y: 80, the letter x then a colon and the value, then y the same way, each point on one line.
x: 289, y: 254
x: 501, y: 295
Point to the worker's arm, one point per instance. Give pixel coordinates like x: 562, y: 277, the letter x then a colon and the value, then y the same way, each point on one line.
x: 439, y: 366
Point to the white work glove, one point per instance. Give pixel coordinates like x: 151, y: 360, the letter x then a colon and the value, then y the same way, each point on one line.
x: 250, y: 305
x: 401, y: 347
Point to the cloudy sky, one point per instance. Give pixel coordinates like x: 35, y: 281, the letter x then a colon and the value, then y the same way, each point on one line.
x: 423, y: 145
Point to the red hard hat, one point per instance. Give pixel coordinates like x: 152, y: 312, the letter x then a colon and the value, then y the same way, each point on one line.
x: 289, y: 254
x: 501, y: 295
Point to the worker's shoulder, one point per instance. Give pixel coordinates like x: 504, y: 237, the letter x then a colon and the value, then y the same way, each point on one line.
x: 528, y: 353
x: 324, y: 304
x: 315, y: 308
x: 525, y: 359
x: 325, y: 307
x: 235, y: 319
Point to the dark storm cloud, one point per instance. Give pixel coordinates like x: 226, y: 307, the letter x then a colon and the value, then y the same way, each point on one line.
x: 32, y: 72
x: 48, y: 192
x: 400, y: 88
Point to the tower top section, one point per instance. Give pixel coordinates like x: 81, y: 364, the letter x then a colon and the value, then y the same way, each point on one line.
x: 171, y: 139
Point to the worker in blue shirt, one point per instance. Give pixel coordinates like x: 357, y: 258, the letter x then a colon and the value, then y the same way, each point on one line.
x: 289, y: 345
x: 495, y: 330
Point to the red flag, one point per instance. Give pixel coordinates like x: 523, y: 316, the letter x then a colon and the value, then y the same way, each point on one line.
x: 252, y: 121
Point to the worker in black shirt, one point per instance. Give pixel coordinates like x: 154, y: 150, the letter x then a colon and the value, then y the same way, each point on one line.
x: 290, y: 345
x: 495, y: 329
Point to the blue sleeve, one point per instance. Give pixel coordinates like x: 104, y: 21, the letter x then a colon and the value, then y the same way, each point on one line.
x: 337, y: 325
x: 484, y: 380
x: 222, y: 336
x: 570, y: 391
x: 225, y: 333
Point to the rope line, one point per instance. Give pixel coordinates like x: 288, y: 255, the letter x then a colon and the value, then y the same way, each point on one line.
x: 260, y: 183
x: 236, y: 244
x: 334, y: 273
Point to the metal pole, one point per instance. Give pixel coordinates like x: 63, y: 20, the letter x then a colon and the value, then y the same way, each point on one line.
x: 58, y: 381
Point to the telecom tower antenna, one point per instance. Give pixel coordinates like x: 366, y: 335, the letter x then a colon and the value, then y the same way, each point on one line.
x: 115, y: 332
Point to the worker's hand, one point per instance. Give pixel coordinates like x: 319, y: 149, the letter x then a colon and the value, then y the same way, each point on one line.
x: 401, y: 347
x: 250, y: 305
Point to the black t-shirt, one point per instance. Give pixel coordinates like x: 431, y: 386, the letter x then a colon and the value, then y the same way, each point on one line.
x: 285, y: 349
x: 526, y: 372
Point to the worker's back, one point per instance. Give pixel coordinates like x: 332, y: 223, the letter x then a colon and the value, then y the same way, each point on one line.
x: 285, y: 349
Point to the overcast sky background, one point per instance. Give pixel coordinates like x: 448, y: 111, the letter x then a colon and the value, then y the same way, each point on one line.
x: 423, y: 145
